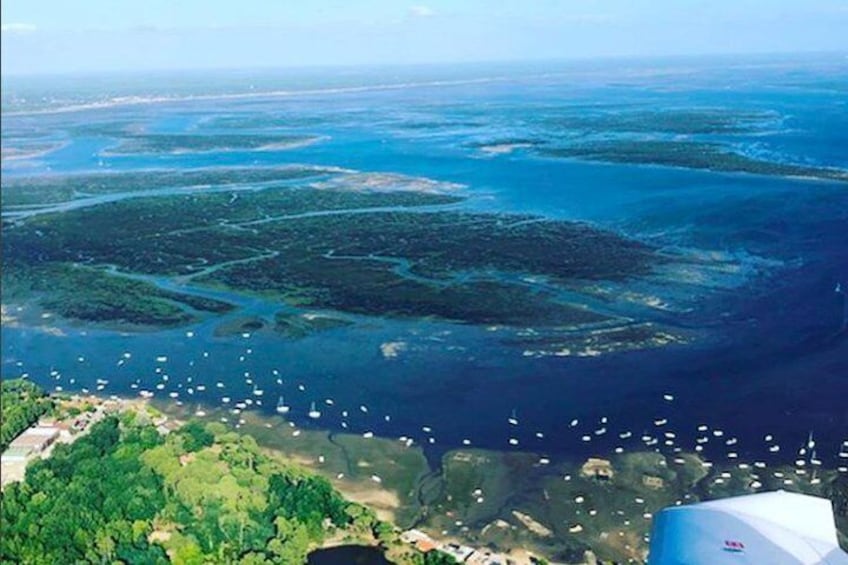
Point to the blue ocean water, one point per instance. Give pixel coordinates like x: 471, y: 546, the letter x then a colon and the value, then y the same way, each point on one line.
x: 768, y: 357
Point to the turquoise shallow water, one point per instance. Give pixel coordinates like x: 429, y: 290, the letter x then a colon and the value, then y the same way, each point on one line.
x: 768, y: 359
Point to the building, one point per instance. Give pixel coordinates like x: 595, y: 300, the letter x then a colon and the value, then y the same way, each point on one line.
x: 651, y: 481
x: 36, y: 439
x: 596, y: 468
x: 458, y: 552
x: 14, y: 455
x: 420, y: 540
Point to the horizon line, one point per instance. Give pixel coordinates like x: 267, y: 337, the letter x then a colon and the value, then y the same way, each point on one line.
x: 423, y: 64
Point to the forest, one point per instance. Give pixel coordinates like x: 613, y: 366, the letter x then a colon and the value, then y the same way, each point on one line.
x: 23, y: 403
x: 201, y: 494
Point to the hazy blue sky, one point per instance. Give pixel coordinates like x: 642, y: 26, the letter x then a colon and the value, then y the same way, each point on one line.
x: 74, y: 35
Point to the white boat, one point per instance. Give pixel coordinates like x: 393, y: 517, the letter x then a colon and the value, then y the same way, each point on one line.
x: 314, y: 413
x: 282, y: 408
x: 513, y: 419
x: 257, y: 391
x: 368, y: 435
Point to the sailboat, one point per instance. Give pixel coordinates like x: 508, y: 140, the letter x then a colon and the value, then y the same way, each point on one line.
x: 314, y: 413
x: 513, y: 419
x: 282, y: 408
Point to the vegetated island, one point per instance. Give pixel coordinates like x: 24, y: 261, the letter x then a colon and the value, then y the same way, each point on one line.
x: 200, y: 143
x: 688, y: 154
x: 339, y: 247
x: 691, y: 138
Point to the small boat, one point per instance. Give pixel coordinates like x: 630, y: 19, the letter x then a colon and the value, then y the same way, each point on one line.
x: 513, y: 418
x: 368, y: 435
x: 282, y: 408
x: 257, y: 391
x: 314, y: 413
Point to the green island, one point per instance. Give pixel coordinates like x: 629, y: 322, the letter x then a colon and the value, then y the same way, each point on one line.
x: 84, y: 293
x: 22, y: 403
x: 51, y: 189
x: 259, y: 122
x: 692, y: 121
x: 341, y: 248
x: 199, y: 143
x: 688, y: 154
x: 297, y: 325
x: 695, y: 138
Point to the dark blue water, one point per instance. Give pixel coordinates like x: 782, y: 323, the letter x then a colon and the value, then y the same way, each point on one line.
x: 767, y: 355
x: 348, y: 555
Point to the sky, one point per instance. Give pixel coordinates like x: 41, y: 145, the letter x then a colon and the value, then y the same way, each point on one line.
x: 47, y: 36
